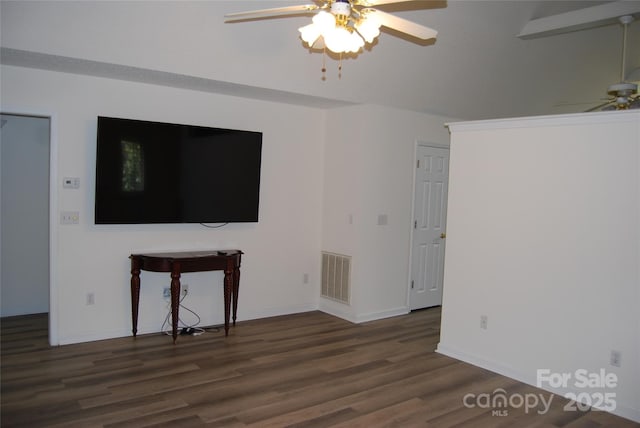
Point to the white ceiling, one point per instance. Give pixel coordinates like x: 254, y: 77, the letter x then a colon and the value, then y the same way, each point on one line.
x: 476, y: 69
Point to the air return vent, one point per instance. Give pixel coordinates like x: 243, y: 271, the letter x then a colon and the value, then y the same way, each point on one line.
x: 336, y: 276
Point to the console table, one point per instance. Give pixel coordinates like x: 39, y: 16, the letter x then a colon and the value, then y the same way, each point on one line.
x: 189, y: 261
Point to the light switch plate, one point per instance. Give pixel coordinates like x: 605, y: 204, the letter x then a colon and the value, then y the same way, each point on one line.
x: 71, y: 182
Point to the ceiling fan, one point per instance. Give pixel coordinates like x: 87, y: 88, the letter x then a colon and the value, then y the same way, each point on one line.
x: 341, y: 26
x: 624, y: 95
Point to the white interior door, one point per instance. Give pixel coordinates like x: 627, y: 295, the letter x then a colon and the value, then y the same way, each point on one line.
x: 430, y: 209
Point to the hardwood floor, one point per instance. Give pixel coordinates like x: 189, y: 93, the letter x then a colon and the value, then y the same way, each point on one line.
x: 303, y: 370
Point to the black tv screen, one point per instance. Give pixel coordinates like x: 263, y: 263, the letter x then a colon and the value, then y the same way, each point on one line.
x: 152, y: 172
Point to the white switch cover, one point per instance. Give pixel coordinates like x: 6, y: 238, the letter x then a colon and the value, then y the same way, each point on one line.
x: 69, y: 217
x: 71, y: 182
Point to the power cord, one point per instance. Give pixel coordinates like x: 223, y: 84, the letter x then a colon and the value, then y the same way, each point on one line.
x: 214, y: 227
x: 185, y: 329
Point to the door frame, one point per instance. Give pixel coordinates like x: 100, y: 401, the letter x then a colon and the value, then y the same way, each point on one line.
x: 53, y: 209
x: 418, y: 143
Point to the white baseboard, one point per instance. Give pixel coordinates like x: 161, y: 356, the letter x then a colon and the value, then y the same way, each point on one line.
x: 528, y: 378
x: 155, y: 328
x: 346, y: 312
x: 278, y: 311
x: 372, y: 316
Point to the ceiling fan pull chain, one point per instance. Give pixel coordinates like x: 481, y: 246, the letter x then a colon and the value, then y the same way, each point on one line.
x: 324, y: 64
x: 340, y: 67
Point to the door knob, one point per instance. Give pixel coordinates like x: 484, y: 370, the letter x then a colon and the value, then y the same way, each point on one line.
x: 443, y: 235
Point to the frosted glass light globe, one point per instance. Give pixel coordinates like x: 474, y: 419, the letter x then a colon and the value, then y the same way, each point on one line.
x: 369, y: 28
x: 324, y: 21
x: 309, y: 33
x: 337, y: 40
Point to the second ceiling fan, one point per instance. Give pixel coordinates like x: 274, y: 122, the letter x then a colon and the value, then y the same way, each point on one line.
x: 624, y: 94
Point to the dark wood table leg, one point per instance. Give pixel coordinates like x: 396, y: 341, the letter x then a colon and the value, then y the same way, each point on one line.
x: 175, y: 299
x: 135, y: 293
x: 228, y: 292
x: 236, y: 287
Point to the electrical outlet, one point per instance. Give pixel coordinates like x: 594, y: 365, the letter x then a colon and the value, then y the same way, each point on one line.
x: 69, y: 217
x: 305, y: 278
x: 91, y: 299
x: 166, y: 291
x: 616, y: 357
x: 483, y: 322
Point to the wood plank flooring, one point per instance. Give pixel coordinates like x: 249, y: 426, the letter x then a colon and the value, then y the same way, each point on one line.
x: 302, y: 370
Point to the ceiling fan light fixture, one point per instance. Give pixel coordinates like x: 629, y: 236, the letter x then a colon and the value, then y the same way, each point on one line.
x: 321, y: 24
x: 336, y: 39
x: 356, y: 42
x: 324, y: 20
x: 623, y: 93
x: 309, y: 34
x: 341, y: 40
x: 338, y: 35
x: 344, y: 25
x: 622, y: 89
x: 368, y: 27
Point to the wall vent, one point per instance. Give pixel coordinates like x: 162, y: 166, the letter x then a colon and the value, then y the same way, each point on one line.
x: 336, y: 277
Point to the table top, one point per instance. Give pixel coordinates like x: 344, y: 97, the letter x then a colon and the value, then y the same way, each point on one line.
x: 181, y: 255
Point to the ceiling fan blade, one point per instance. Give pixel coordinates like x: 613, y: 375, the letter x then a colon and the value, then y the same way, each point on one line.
x: 369, y: 3
x: 404, y: 26
x: 601, y: 106
x: 268, y: 13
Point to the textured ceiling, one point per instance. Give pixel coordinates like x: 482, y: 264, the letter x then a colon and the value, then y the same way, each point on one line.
x: 476, y: 69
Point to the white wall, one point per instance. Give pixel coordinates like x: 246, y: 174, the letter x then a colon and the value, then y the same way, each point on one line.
x: 280, y: 249
x: 295, y: 215
x: 25, y: 215
x: 543, y: 238
x: 369, y: 172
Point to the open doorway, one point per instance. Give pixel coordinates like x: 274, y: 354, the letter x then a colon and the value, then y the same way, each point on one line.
x: 24, y: 219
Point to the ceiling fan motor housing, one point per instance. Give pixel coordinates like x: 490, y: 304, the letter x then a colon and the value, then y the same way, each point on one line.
x: 341, y: 7
x: 622, y: 89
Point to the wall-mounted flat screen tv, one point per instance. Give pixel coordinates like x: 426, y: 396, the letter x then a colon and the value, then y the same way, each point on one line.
x: 152, y: 172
